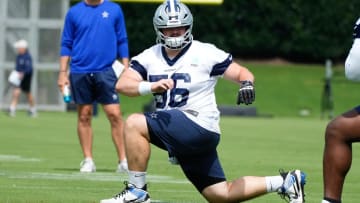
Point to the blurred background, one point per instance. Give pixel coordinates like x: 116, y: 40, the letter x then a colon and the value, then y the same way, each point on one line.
x: 273, y: 38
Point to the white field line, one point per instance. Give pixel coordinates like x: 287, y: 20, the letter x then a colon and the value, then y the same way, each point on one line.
x: 98, y: 176
x: 16, y: 158
x: 23, y: 187
x: 111, y: 177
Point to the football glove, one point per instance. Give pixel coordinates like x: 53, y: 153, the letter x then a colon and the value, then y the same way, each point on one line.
x: 246, y: 94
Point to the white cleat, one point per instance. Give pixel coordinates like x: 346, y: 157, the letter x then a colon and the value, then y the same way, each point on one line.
x: 122, y: 167
x: 130, y: 194
x: 87, y: 166
x: 292, y: 189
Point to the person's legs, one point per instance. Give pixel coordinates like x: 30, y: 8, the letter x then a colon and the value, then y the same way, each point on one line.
x: 241, y: 189
x: 137, y: 142
x: 30, y: 99
x: 289, y: 185
x: 32, y: 109
x: 137, y: 145
x: 339, y: 136
x: 104, y: 85
x: 85, y: 136
x: 14, y: 101
x: 113, y: 113
x: 26, y: 88
x: 83, y: 95
x: 205, y: 173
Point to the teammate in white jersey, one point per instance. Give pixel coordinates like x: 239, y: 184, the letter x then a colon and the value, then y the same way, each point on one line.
x: 182, y: 73
x: 342, y: 132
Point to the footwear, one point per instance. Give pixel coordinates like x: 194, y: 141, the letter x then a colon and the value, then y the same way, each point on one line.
x: 32, y: 114
x: 87, y: 166
x: 292, y: 189
x: 12, y: 113
x: 122, y: 167
x: 129, y: 194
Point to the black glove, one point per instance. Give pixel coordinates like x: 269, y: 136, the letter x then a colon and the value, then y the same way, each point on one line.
x: 246, y: 93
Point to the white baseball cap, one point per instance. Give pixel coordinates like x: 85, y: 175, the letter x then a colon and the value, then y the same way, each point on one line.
x: 21, y: 44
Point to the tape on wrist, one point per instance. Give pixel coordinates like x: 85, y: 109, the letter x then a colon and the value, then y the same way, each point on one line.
x: 144, y: 88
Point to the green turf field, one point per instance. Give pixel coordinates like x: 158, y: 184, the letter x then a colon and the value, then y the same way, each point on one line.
x: 39, y: 159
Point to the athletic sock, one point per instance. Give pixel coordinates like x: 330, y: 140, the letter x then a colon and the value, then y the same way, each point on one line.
x: 88, y: 159
x: 273, y: 183
x: 137, y: 178
x: 124, y: 161
x: 329, y: 200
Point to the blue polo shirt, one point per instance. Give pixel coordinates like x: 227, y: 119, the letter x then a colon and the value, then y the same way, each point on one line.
x: 94, y: 36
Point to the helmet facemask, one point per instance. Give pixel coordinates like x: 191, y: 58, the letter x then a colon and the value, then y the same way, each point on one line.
x: 173, y: 14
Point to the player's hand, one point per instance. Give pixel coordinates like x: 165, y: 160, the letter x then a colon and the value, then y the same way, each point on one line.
x: 62, y: 81
x: 246, y: 94
x: 162, y: 85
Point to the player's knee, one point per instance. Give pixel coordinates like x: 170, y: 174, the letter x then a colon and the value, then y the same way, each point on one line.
x: 220, y: 198
x: 334, y: 130
x: 135, y: 121
x: 85, y: 118
x: 115, y: 118
x: 218, y: 193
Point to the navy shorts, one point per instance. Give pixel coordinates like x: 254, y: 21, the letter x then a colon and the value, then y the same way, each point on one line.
x: 87, y: 88
x: 191, y: 144
x: 25, y: 84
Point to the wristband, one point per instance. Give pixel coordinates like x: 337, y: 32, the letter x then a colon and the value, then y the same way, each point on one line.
x: 144, y: 88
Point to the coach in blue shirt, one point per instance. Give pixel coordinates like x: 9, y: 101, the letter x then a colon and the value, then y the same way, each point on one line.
x: 93, y: 37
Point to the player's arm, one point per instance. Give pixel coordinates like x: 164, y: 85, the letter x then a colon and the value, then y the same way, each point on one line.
x: 63, y: 72
x: 245, y: 78
x: 131, y: 84
x: 125, y: 62
x: 238, y: 73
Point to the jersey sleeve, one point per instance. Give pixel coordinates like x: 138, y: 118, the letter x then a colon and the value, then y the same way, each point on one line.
x: 135, y: 65
x: 139, y: 62
x: 67, y: 36
x: 219, y: 60
x: 121, y: 34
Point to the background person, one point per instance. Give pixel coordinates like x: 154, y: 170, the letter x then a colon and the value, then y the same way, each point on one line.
x: 342, y: 132
x: 24, y: 68
x: 92, y: 44
x: 182, y: 74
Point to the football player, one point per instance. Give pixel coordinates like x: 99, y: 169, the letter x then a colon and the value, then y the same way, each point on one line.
x: 182, y: 73
x: 342, y: 132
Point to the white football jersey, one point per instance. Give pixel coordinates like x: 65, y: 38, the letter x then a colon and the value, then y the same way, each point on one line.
x: 195, y: 72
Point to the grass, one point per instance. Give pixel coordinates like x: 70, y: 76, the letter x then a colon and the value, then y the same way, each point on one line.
x: 39, y: 159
